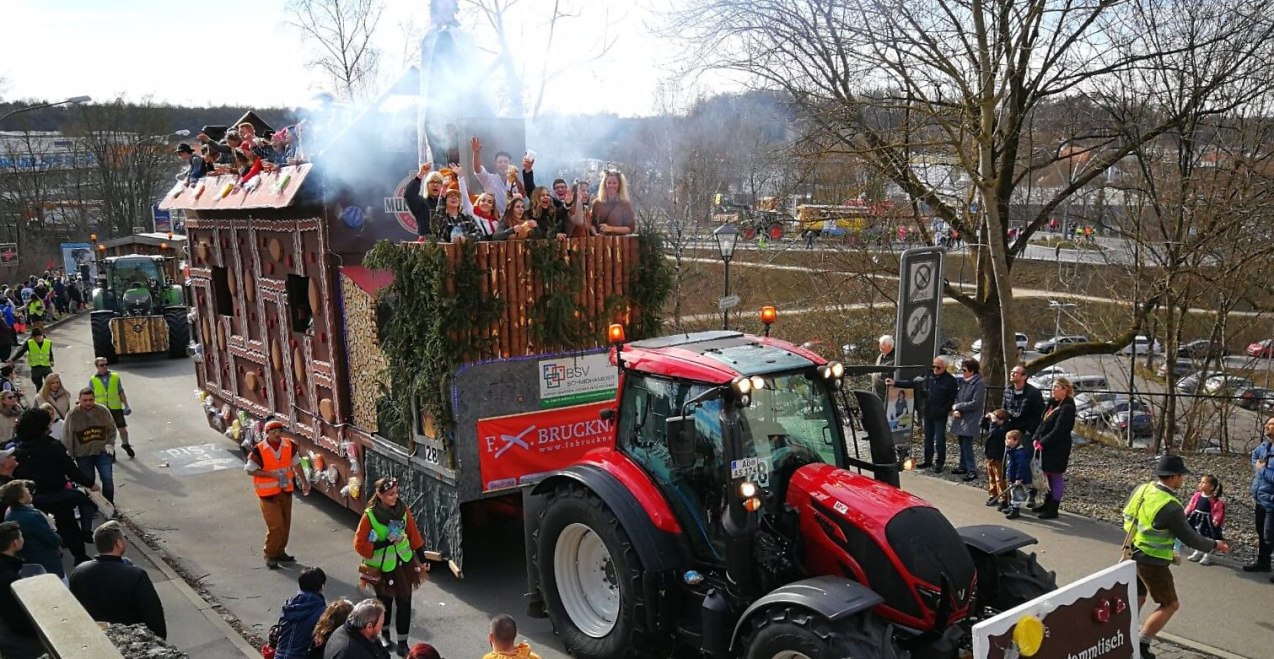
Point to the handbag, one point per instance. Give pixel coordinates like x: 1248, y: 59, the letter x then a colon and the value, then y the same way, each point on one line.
x: 1038, y: 480
x: 368, y: 579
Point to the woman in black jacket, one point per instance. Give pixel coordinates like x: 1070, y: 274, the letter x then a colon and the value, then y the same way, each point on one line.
x: 44, y: 461
x: 1053, y: 441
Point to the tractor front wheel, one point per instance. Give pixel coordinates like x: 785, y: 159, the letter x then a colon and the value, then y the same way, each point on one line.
x: 789, y: 632
x: 748, y: 233
x: 100, y: 321
x: 590, y: 575
x: 178, y: 331
x: 775, y: 231
x: 1011, y: 579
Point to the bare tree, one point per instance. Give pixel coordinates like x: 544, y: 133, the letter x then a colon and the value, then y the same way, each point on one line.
x: 133, y: 162
x: 512, y: 46
x: 968, y: 80
x: 340, y: 34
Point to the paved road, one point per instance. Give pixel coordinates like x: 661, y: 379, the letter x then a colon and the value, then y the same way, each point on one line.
x: 206, y: 516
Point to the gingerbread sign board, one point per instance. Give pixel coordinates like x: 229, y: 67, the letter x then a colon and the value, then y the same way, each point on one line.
x: 1093, y: 618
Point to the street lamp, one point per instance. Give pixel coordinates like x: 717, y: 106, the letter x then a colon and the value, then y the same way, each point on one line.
x: 74, y: 100
x: 1057, y: 324
x: 726, y: 235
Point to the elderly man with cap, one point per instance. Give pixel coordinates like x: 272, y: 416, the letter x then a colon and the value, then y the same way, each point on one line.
x: 1155, y: 520
x: 273, y: 465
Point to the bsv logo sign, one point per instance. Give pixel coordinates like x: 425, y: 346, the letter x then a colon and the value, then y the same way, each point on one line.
x: 577, y: 380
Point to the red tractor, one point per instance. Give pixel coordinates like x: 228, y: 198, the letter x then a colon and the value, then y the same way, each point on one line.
x: 731, y: 518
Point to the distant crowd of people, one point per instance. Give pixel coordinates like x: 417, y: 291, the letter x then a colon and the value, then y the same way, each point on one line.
x: 511, y: 206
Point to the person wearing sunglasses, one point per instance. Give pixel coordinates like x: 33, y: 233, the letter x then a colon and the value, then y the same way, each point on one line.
x: 938, y: 389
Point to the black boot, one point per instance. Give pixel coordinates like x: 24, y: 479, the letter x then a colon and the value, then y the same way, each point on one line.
x: 1049, y: 509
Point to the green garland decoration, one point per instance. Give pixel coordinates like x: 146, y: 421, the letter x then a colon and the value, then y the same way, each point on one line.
x: 651, y: 285
x: 558, y: 321
x: 427, y: 335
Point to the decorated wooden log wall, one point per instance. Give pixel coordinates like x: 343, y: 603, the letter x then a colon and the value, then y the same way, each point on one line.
x: 366, y: 360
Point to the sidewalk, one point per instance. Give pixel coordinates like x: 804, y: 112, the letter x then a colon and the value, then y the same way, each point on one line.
x: 1224, y: 612
x: 194, y: 626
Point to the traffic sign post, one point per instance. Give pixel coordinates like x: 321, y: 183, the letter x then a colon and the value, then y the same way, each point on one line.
x: 919, y: 324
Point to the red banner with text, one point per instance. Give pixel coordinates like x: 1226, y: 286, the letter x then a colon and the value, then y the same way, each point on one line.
x: 521, y: 449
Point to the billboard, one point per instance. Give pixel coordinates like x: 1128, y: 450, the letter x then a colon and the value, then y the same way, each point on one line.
x: 78, y: 257
x: 521, y: 449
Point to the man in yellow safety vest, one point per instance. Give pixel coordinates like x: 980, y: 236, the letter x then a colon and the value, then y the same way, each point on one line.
x: 109, y: 391
x: 39, y: 352
x: 1155, y: 520
x: 274, y: 464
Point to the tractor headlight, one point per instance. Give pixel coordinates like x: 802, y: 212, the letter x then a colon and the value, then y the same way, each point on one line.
x: 742, y: 385
x: 748, y: 489
x: 837, y: 368
x: 758, y: 382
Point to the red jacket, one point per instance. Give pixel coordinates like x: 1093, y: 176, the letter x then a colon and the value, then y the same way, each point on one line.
x: 1218, y: 508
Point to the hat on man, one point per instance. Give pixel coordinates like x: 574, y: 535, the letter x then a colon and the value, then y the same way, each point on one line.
x: 1171, y: 465
x: 274, y: 424
x: 184, y: 148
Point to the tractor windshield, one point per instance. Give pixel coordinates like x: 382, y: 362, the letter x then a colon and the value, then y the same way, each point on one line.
x: 790, y: 423
x: 133, y: 273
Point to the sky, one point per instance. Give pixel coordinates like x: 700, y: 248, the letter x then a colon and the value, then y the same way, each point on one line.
x: 242, y: 52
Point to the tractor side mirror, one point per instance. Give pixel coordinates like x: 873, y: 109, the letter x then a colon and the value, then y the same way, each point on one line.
x: 681, y: 441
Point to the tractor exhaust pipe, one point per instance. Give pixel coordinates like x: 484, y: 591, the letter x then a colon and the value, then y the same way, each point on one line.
x: 879, y: 438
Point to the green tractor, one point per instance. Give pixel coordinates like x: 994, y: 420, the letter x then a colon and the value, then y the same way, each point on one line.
x: 138, y: 308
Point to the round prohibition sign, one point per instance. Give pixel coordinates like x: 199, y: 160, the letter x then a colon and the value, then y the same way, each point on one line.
x: 921, y: 277
x: 919, y: 325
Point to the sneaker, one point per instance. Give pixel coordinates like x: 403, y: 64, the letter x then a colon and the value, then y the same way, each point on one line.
x: 992, y: 501
x: 1013, y: 513
x: 1256, y: 567
x: 402, y: 648
x: 1206, y: 559
x: 1145, y: 651
x: 1195, y: 556
x: 271, y: 564
x: 969, y: 477
x: 959, y: 471
x: 128, y: 448
x: 937, y: 469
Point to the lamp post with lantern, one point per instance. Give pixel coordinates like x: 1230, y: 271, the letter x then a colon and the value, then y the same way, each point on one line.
x: 726, y: 236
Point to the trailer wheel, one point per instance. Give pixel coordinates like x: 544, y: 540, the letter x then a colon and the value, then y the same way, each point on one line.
x: 100, y: 322
x: 775, y: 231
x: 178, y: 331
x: 790, y: 632
x: 1012, y: 578
x: 590, y: 576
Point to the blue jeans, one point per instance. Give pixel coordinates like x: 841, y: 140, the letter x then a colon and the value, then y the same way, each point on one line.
x: 936, y: 438
x: 968, y: 461
x: 101, y: 464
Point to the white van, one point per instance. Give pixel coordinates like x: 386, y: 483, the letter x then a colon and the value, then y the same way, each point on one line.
x: 1082, y: 384
x: 1143, y: 345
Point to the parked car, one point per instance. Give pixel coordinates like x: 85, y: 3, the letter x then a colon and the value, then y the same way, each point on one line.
x: 1180, y: 368
x: 1104, y: 411
x: 1193, y: 383
x: 1089, y: 399
x: 1022, y: 342
x: 1043, y: 380
x: 1142, y: 344
x: 1262, y: 348
x: 1255, y: 397
x: 1226, y: 385
x: 1143, y: 424
x: 1049, y: 345
x: 1082, y: 384
x: 1201, y: 349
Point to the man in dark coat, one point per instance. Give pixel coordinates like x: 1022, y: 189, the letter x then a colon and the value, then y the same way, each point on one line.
x: 112, y: 590
x: 1024, y: 403
x: 17, y: 634
x: 356, y: 639
x: 939, y: 388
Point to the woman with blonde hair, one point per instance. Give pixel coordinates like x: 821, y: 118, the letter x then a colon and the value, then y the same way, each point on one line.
x: 1053, y: 444
x: 393, y: 554
x: 335, y: 615
x: 613, y: 211
x: 52, y: 393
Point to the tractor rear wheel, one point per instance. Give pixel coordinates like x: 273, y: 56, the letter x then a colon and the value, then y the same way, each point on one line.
x: 590, y: 576
x: 790, y: 632
x: 100, y: 321
x: 748, y: 233
x: 1017, y: 578
x: 178, y: 331
x: 775, y: 231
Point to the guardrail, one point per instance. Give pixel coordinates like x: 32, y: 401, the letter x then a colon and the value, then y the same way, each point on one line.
x: 65, y: 628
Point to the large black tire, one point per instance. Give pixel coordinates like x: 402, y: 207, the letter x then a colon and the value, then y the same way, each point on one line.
x: 100, y: 321
x: 1008, y: 580
x: 566, y: 509
x: 178, y: 331
x: 788, y: 631
x: 775, y: 231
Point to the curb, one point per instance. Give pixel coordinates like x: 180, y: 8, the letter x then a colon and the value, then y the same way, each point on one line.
x: 204, y: 607
x: 1198, y: 647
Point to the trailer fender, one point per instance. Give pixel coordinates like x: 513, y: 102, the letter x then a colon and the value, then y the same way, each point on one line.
x: 831, y: 597
x: 994, y: 539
